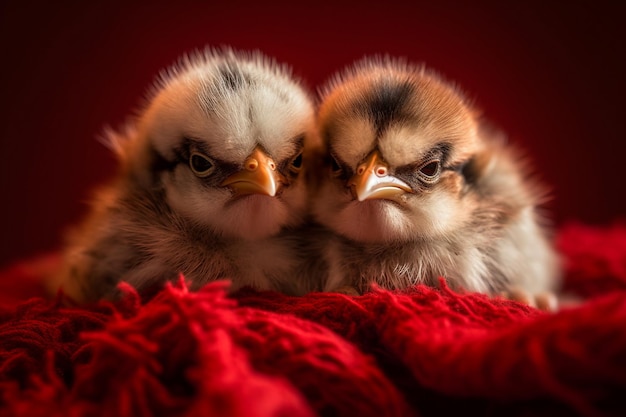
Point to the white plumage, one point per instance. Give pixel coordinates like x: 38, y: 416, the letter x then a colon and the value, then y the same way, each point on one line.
x: 416, y: 187
x: 210, y: 183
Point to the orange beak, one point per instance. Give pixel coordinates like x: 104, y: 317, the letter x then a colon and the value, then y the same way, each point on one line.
x: 258, y: 176
x: 372, y: 180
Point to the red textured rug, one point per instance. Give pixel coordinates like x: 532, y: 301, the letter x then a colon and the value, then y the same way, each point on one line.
x: 419, y: 352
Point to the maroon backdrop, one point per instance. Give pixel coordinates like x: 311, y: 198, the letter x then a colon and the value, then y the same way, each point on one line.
x: 552, y: 76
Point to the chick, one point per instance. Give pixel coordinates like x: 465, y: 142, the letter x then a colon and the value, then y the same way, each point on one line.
x: 417, y: 187
x: 210, y: 183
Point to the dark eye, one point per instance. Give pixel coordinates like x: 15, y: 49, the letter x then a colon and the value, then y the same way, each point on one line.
x: 296, y: 163
x: 430, y: 170
x: 200, y: 164
x: 335, y: 166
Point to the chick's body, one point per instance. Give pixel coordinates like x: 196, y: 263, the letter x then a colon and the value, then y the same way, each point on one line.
x: 417, y: 188
x: 210, y: 183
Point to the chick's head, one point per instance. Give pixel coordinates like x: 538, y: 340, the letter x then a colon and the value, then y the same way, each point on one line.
x: 401, y: 147
x: 224, y: 135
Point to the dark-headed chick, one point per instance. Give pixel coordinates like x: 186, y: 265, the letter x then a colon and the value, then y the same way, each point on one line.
x: 416, y: 187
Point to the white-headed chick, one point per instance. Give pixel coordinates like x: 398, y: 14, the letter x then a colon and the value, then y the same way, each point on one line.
x: 210, y: 183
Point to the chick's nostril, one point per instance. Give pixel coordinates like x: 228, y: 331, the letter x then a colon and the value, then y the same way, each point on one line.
x: 360, y: 170
x: 252, y: 164
x: 381, y: 171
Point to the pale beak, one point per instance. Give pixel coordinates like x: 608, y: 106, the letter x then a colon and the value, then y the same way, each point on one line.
x: 372, y: 180
x: 258, y: 176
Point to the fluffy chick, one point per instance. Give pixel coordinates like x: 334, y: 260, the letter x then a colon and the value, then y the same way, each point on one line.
x: 210, y: 183
x: 416, y: 187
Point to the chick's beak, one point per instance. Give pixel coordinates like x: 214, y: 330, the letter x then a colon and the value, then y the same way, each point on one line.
x: 258, y: 176
x: 372, y: 180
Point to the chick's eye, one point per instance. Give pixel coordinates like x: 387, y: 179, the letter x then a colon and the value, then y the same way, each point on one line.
x: 200, y: 164
x: 335, y: 166
x: 430, y: 170
x: 296, y: 163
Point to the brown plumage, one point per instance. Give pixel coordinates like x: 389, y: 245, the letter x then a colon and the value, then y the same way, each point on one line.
x: 415, y: 186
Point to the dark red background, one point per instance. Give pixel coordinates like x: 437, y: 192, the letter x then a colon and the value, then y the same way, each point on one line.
x: 551, y: 75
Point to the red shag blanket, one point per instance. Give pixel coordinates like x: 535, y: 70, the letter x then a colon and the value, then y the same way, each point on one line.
x: 418, y: 352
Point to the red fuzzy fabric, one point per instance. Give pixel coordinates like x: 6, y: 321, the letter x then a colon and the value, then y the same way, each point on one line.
x: 417, y: 352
